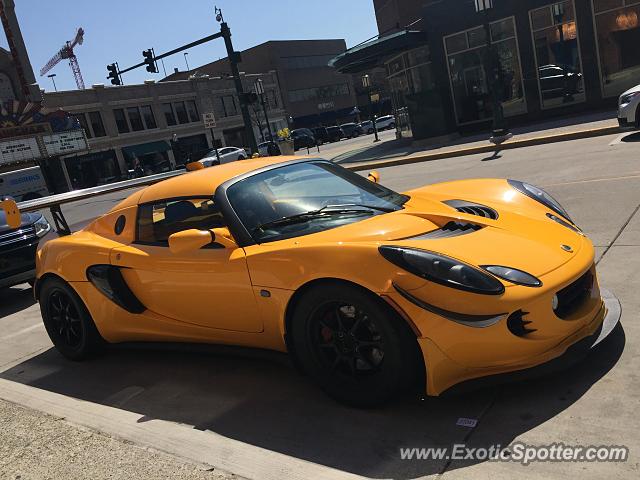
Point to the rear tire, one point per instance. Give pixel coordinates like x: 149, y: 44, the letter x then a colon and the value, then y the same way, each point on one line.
x: 68, y: 322
x: 354, y: 346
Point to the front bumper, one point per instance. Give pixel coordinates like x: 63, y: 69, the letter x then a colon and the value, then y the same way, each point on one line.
x: 445, y: 376
x: 627, y: 114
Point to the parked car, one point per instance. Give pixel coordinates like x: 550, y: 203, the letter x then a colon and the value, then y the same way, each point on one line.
x: 351, y: 130
x: 629, y: 108
x: 269, y: 149
x: 25, y: 184
x: 227, y: 154
x: 368, y: 284
x: 18, y: 248
x: 321, y: 135
x: 303, y: 138
x: 367, y: 127
x: 386, y: 122
x: 335, y: 134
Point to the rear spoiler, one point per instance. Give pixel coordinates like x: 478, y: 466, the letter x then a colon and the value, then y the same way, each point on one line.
x: 54, y: 202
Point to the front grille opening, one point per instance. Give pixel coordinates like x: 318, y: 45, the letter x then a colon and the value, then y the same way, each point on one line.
x: 471, y: 208
x: 573, y: 296
x: 518, y: 325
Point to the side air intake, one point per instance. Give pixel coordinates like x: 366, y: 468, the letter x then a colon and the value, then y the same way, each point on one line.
x: 471, y: 208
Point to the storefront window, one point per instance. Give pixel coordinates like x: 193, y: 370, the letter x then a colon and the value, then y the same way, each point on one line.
x: 96, y: 124
x: 93, y: 169
x: 618, y: 33
x: 466, y: 58
x: 169, y: 116
x: 147, y: 115
x: 181, y: 112
x: 121, y: 120
x: 555, y: 37
x: 135, y: 118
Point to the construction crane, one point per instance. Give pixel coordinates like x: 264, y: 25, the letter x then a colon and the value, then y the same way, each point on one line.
x: 65, y: 53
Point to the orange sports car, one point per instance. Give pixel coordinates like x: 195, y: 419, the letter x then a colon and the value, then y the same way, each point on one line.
x: 372, y: 292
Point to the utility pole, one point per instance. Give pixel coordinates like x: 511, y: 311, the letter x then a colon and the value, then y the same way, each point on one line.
x: 260, y: 91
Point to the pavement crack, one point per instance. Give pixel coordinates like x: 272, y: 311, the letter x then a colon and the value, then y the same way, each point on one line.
x: 619, y: 233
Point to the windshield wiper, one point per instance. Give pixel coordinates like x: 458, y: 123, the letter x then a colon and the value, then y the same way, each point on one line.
x: 372, y: 207
x: 328, y: 210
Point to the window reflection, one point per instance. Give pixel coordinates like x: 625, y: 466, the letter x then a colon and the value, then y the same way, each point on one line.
x: 618, y: 30
x: 466, y: 61
x: 555, y: 37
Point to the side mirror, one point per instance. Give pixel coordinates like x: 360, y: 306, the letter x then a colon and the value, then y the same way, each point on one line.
x: 223, y: 237
x: 189, y: 240
x: 14, y: 219
x: 193, y: 166
x: 374, y: 176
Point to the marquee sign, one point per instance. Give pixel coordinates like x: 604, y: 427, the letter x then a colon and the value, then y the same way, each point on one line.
x: 66, y: 142
x: 20, y: 150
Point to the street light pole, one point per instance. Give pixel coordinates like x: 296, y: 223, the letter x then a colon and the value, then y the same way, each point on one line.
x: 500, y: 131
x: 186, y: 61
x: 366, y: 83
x: 260, y: 91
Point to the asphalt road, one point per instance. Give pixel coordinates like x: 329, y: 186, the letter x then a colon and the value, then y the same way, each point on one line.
x: 258, y: 405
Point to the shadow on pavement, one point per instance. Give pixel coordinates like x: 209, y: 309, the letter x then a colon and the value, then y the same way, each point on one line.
x: 14, y: 300
x: 631, y: 138
x: 263, y: 402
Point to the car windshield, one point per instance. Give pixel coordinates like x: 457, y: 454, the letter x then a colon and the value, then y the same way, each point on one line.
x: 304, y: 198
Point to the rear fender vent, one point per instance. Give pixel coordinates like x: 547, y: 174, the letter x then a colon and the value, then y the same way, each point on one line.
x: 451, y: 229
x: 471, y: 208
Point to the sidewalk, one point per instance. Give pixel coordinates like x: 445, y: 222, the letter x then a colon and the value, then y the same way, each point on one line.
x: 36, y: 446
x: 598, y: 123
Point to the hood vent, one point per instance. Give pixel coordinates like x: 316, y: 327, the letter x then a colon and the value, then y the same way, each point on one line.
x: 471, y: 208
x: 451, y: 229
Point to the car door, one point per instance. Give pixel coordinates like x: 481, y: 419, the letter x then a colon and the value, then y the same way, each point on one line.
x: 209, y: 287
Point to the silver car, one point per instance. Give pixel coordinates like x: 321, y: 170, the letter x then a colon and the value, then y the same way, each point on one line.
x: 629, y: 108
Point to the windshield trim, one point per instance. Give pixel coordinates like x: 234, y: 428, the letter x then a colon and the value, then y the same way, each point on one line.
x: 240, y: 233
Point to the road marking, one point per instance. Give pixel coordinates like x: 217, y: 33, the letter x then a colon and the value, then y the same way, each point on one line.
x: 22, y: 332
x: 609, y: 179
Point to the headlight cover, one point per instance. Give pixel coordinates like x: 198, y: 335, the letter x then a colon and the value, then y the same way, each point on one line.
x: 441, y: 269
x: 513, y: 275
x: 628, y: 97
x: 42, y: 227
x: 541, y: 196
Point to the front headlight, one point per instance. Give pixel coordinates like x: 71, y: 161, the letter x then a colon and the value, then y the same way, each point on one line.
x: 541, y: 196
x: 443, y: 270
x: 513, y: 275
x: 42, y: 227
x: 628, y: 97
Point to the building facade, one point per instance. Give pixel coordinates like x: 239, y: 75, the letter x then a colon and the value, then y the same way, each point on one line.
x: 554, y: 58
x: 135, y: 125
x: 313, y: 93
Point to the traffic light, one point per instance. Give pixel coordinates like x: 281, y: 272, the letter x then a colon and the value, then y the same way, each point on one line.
x: 149, y: 60
x: 113, y: 74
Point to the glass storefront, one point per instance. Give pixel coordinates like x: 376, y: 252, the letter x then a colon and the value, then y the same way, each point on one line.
x: 413, y: 90
x: 466, y: 59
x: 559, y: 69
x: 93, y: 169
x: 618, y: 33
x: 152, y: 157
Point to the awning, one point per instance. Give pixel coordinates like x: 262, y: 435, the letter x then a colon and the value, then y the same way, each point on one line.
x: 145, y: 148
x: 373, y: 53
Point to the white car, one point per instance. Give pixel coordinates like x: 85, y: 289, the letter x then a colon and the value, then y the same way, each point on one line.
x: 227, y: 155
x: 629, y: 108
x: 388, y: 121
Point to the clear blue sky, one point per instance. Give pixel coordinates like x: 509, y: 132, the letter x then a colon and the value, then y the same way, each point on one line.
x: 118, y: 30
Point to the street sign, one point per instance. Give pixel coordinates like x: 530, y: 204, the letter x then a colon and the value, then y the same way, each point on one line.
x: 209, y: 120
x: 66, y: 142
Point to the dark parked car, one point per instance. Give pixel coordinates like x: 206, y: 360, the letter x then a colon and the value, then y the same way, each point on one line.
x: 18, y: 248
x: 555, y: 81
x: 351, y: 130
x: 303, y: 138
x: 321, y: 134
x: 335, y: 134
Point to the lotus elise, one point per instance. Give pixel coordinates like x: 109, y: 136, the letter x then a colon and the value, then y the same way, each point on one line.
x: 371, y: 292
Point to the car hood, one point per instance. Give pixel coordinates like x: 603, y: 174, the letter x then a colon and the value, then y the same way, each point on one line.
x: 631, y: 90
x: 522, y: 238
x: 27, y: 219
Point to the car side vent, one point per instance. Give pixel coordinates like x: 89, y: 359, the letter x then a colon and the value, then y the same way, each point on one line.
x: 451, y: 229
x: 471, y: 208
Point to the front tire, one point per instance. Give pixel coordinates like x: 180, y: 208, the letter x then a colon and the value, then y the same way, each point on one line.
x: 68, y: 322
x: 354, y: 346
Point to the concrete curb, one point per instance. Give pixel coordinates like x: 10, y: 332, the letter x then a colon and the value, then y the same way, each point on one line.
x: 488, y: 148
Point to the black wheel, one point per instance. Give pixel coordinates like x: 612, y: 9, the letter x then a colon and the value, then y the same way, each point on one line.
x: 354, y: 346
x: 392, y: 126
x: 68, y: 322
